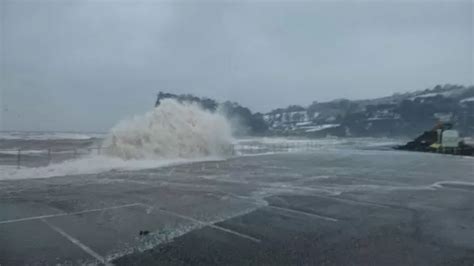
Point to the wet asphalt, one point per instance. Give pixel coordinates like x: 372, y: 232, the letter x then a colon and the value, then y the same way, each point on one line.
x: 329, y: 207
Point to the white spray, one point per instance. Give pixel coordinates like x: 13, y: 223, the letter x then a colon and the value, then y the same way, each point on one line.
x: 172, y: 130
x: 172, y: 133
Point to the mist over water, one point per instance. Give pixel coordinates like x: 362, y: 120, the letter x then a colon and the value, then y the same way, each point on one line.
x: 170, y: 131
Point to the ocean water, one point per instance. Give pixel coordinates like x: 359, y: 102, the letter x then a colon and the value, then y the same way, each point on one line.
x: 171, y: 131
x: 260, y: 172
x: 170, y: 134
x: 77, y: 157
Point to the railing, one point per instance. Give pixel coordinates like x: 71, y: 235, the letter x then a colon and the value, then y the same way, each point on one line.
x: 44, y: 157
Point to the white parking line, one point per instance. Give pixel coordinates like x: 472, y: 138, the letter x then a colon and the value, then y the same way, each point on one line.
x: 67, y: 213
x: 76, y: 242
x: 331, y: 219
x: 353, y: 202
x: 256, y: 240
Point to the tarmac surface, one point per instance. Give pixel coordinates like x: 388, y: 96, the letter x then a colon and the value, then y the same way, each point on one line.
x: 360, y: 207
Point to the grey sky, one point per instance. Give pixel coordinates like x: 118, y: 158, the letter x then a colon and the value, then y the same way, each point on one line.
x: 84, y: 65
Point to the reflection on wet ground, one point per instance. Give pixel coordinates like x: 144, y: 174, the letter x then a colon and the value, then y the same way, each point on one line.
x: 328, y: 207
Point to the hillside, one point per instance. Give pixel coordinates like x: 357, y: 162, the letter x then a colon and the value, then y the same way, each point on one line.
x: 405, y: 114
x: 398, y: 115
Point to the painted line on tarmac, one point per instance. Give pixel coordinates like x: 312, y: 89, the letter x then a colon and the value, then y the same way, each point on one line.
x: 253, y: 239
x: 68, y: 213
x: 270, y: 186
x: 256, y: 240
x: 327, y: 218
x: 273, y: 186
x: 76, y: 242
x: 354, y: 202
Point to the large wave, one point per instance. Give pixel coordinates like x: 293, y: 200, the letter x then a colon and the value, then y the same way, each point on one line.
x: 172, y: 130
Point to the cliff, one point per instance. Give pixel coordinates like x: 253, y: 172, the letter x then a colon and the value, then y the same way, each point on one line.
x: 397, y: 115
x: 405, y: 114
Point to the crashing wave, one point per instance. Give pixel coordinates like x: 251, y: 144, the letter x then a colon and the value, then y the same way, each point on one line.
x: 171, y: 130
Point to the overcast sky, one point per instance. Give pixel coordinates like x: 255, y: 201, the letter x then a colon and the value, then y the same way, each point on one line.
x: 84, y: 65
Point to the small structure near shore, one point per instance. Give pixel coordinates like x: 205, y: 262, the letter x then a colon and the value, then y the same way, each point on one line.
x: 441, y: 139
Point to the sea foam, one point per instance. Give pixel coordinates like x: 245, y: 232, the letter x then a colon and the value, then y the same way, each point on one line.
x: 170, y: 131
